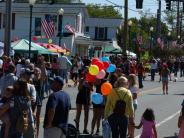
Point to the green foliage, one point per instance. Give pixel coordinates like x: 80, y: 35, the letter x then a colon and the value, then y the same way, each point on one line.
x: 97, y: 10
x: 145, y: 56
x: 142, y: 27
x: 165, y: 53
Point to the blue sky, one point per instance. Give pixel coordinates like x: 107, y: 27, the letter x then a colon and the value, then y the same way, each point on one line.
x: 147, y: 4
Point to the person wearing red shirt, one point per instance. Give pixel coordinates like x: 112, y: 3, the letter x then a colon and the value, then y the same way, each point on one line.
x: 140, y: 72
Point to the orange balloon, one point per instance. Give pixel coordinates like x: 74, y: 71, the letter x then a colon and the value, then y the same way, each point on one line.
x: 106, y: 88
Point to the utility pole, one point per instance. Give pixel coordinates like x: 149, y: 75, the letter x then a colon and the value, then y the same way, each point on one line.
x: 159, y: 19
x: 181, y: 27
x: 124, y: 36
x: 7, y: 38
x: 178, y: 19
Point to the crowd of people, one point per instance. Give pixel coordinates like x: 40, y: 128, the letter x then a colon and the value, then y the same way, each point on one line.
x: 24, y: 84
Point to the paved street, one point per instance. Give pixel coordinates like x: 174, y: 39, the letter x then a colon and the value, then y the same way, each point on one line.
x: 166, y: 107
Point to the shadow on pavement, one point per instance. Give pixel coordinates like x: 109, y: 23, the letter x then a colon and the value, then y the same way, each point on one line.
x: 154, y: 94
x: 178, y: 94
x: 171, y: 137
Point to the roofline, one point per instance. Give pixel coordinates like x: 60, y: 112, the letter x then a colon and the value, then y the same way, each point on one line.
x: 82, y: 4
x: 105, y: 18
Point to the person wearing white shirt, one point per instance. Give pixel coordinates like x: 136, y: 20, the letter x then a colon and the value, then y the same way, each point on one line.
x: 63, y: 63
x: 153, y: 69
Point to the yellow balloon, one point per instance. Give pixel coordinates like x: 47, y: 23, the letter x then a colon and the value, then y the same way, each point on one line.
x: 50, y: 41
x: 93, y: 70
x: 67, y: 53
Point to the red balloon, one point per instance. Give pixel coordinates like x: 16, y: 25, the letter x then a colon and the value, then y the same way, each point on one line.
x: 106, y: 64
x: 35, y: 39
x: 94, y: 60
x: 90, y: 78
x: 100, y: 65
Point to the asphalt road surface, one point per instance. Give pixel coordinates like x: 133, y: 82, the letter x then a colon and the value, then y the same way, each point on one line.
x: 166, y: 107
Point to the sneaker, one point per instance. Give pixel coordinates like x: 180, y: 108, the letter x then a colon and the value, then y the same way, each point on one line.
x: 85, y: 132
x: 97, y: 133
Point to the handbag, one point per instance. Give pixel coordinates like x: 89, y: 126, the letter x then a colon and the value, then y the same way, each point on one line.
x: 106, y: 129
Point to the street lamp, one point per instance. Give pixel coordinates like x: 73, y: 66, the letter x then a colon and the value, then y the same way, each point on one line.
x: 151, y: 33
x: 169, y: 35
x: 129, y: 25
x: 31, y: 4
x: 60, y: 12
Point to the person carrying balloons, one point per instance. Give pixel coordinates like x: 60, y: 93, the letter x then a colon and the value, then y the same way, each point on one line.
x: 121, y: 92
x: 83, y: 100
x: 98, y: 108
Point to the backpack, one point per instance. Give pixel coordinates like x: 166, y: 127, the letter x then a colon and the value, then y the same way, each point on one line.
x: 119, y: 104
x: 22, y: 122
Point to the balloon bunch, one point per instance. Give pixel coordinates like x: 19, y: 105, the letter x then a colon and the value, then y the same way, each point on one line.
x: 98, y: 69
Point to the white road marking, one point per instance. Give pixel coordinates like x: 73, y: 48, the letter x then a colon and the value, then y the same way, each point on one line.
x: 164, y: 121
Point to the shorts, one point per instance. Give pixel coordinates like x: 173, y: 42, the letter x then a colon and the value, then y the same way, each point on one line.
x: 165, y: 79
x: 83, y: 98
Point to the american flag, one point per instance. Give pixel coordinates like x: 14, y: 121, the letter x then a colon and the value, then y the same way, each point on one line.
x: 174, y: 44
x: 139, y: 40
x: 160, y: 43
x: 159, y: 40
x: 48, y: 27
x: 70, y: 28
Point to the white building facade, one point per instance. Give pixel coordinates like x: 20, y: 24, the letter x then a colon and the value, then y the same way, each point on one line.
x: 90, y: 32
x: 102, y: 32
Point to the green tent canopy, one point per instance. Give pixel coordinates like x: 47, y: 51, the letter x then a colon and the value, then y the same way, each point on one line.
x: 23, y: 46
x: 112, y: 48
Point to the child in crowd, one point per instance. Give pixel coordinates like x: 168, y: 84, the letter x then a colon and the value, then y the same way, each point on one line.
x: 5, y: 117
x: 148, y: 124
x: 118, y: 121
x: 133, y: 87
x: 181, y: 122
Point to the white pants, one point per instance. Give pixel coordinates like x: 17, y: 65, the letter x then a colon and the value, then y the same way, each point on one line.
x: 53, y: 132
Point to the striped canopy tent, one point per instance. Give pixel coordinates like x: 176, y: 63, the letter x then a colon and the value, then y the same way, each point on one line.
x: 53, y: 48
x: 48, y: 46
x: 23, y: 46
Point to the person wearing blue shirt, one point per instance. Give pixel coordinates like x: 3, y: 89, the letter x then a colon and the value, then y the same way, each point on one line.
x: 57, y: 111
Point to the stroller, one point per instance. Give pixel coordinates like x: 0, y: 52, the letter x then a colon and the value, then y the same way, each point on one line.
x: 72, y: 132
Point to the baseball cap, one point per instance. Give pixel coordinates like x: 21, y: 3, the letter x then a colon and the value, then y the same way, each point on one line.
x: 58, y: 79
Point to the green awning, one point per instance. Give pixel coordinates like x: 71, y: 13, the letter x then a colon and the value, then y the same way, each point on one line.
x: 112, y: 48
x: 23, y: 46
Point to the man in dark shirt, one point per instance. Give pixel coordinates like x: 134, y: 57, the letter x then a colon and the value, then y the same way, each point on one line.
x: 57, y: 111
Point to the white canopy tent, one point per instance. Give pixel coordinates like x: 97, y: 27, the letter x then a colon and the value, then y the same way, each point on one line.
x: 2, y: 50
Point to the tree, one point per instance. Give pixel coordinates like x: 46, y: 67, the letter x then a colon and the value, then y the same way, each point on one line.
x: 97, y: 10
x: 142, y: 27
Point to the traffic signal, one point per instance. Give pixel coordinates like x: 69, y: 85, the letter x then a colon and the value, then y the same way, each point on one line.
x: 139, y: 4
x: 168, y: 4
x: 52, y: 2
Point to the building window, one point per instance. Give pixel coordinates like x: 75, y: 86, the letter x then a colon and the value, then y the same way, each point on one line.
x: 0, y: 19
x: 37, y: 26
x: 4, y: 18
x: 13, y: 21
x: 101, y: 33
x: 87, y: 29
